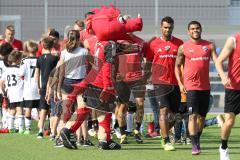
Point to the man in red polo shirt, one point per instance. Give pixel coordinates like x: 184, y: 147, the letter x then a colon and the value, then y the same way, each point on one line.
x: 195, y: 56
x: 9, y: 38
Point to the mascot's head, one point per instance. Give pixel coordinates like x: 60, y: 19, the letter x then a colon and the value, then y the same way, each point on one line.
x: 108, y: 24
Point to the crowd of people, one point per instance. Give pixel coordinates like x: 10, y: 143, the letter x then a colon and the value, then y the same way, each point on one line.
x: 78, y: 82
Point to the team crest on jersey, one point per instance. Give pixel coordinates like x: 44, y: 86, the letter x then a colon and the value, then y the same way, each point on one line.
x: 159, y: 50
x: 205, y: 48
x: 167, y: 48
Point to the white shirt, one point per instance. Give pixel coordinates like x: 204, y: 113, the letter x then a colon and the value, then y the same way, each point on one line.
x: 27, y: 70
x: 2, y: 69
x: 13, y: 83
x: 75, y: 63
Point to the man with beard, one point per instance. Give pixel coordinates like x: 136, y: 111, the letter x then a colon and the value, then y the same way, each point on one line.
x: 162, y: 53
x: 195, y: 56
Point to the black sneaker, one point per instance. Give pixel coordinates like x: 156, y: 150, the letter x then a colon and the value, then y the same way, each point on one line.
x: 58, y: 143
x: 39, y: 135
x: 110, y: 145
x: 113, y: 145
x: 137, y: 137
x: 87, y: 143
x: 68, y: 138
x: 103, y: 145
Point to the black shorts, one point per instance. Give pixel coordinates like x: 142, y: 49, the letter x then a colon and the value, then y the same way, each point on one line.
x: 15, y: 104
x: 232, y: 101
x: 198, y: 102
x: 91, y: 98
x: 171, y: 100
x: 124, y: 90
x: 67, y: 84
x: 183, y: 108
x: 159, y: 90
x: 43, y: 103
x: 31, y: 103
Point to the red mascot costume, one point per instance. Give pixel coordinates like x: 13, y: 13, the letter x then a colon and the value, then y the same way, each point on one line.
x: 108, y: 26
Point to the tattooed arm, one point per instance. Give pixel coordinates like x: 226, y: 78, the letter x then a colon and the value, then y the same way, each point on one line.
x: 178, y: 73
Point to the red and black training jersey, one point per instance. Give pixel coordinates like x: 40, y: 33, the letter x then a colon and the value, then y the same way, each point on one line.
x: 163, y: 56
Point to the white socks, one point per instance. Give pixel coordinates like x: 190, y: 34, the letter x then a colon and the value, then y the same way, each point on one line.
x: 20, y: 122
x: 28, y: 122
x: 129, y: 118
x: 11, y: 119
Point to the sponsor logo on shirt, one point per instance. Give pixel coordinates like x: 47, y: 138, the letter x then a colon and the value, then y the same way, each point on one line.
x: 168, y: 56
x: 200, y: 59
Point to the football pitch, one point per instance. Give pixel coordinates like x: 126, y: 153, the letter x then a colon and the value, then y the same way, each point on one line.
x: 28, y: 147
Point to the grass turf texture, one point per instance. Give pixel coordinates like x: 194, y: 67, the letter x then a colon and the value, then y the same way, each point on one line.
x: 22, y: 147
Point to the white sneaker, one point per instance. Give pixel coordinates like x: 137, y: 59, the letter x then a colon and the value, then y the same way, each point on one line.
x: 118, y: 133
x: 224, y: 154
x: 220, y: 120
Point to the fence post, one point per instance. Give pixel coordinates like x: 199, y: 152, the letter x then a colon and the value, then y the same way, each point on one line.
x: 45, y: 15
x: 156, y: 17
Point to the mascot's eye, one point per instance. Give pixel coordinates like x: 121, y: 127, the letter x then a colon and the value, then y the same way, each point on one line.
x: 121, y: 19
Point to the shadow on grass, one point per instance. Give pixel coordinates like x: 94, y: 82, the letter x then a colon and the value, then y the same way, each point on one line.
x: 142, y: 145
x: 142, y: 148
x: 218, y: 141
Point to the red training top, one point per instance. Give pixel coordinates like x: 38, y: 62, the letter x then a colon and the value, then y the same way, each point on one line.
x: 234, y: 65
x: 163, y: 55
x: 17, y: 44
x: 196, y: 67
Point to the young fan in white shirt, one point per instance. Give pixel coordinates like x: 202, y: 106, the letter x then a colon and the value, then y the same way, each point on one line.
x: 5, y: 50
x: 30, y: 90
x: 12, y: 84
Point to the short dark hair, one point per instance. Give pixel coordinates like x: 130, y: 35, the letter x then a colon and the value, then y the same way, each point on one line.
x: 168, y: 20
x: 48, y: 42
x: 54, y: 34
x: 80, y: 23
x: 194, y: 22
x: 88, y: 13
x: 5, y: 49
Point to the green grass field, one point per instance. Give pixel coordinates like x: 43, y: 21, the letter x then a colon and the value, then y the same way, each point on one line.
x: 27, y: 147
